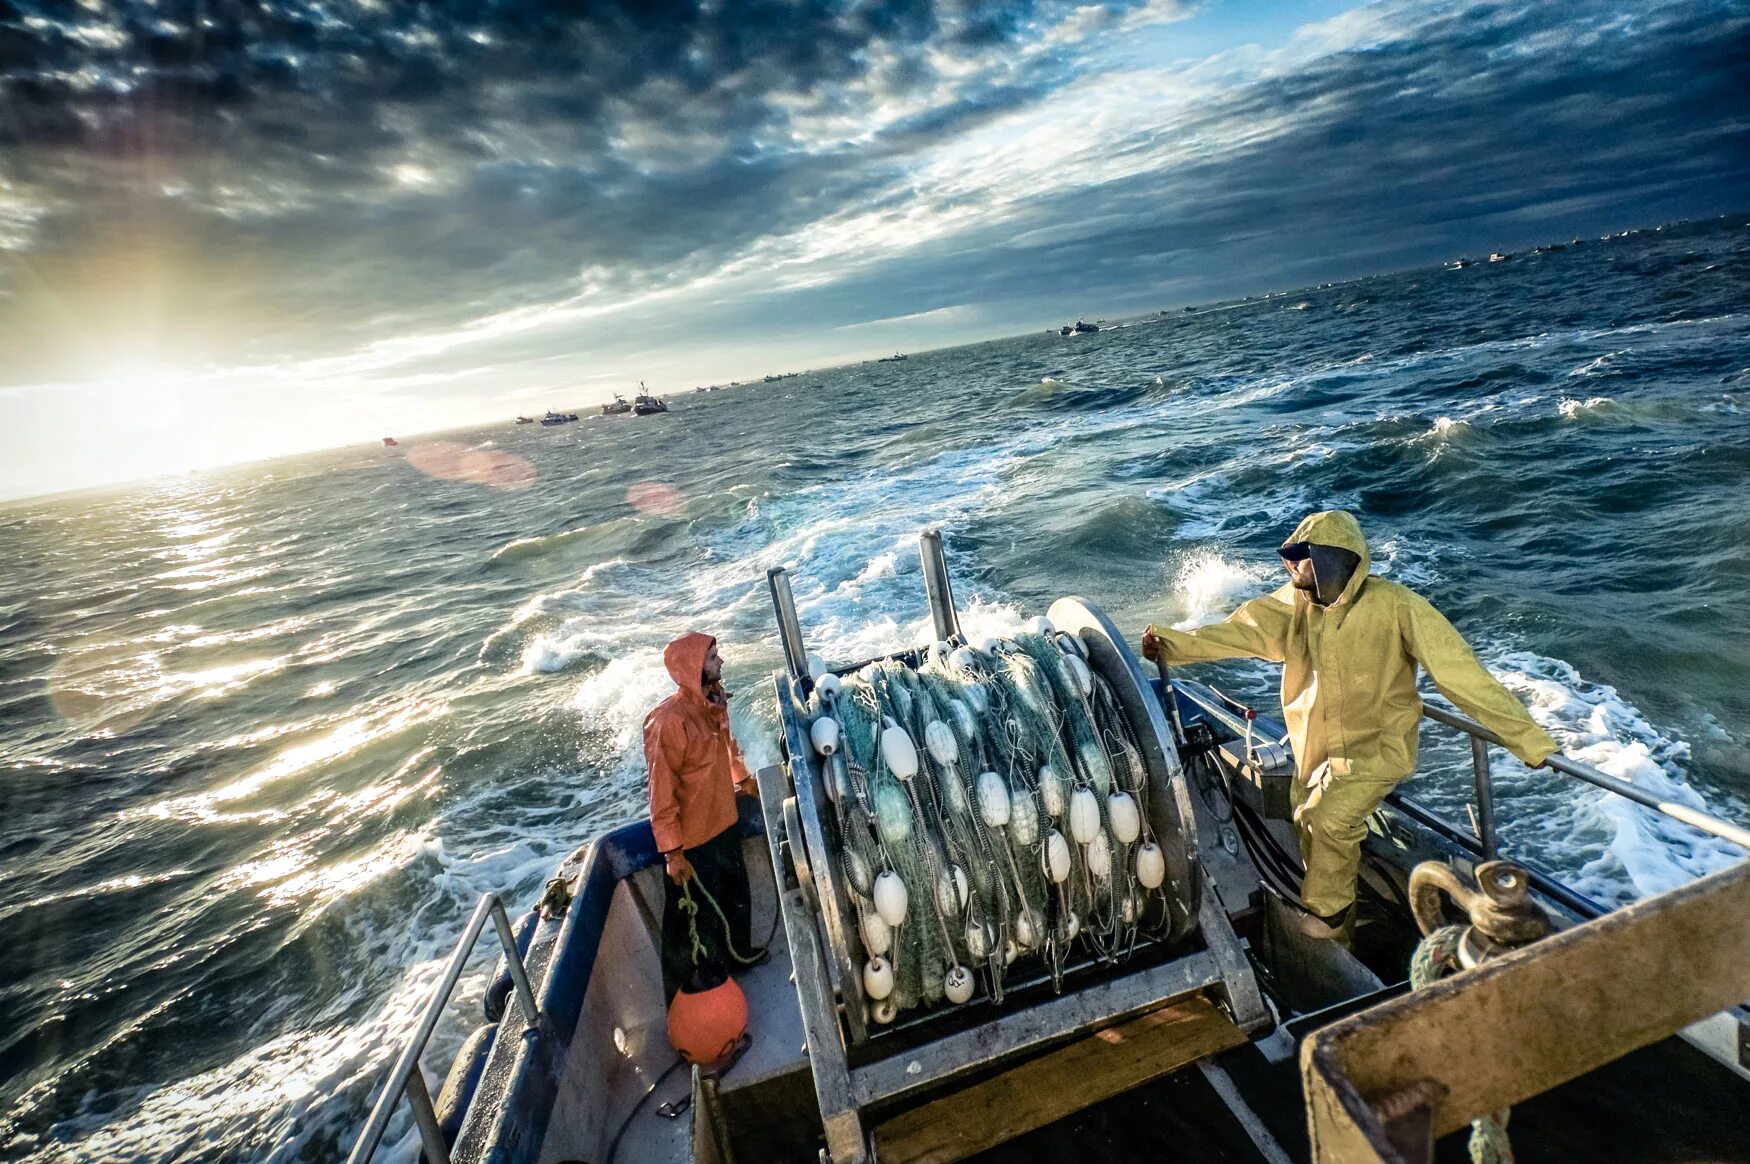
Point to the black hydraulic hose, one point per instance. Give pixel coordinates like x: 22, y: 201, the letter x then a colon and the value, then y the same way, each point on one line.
x: 614, y: 1147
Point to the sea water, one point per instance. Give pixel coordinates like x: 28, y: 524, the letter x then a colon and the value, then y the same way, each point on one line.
x: 267, y: 733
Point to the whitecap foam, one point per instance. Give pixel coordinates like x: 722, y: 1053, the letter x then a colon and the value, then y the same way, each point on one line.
x: 1207, y: 587
x: 1613, y: 849
x: 1572, y: 409
x: 615, y: 700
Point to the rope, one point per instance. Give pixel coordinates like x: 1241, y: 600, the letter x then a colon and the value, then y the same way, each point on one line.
x: 1436, y: 957
x: 691, y: 909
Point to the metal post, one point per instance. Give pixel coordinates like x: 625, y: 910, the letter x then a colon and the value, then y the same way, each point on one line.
x: 789, y: 629
x: 404, y: 1077
x: 513, y: 961
x: 1479, y: 759
x: 937, y: 586
x: 431, y: 1137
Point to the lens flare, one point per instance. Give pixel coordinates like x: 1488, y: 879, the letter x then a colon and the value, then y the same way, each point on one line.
x: 655, y: 497
x: 452, y: 461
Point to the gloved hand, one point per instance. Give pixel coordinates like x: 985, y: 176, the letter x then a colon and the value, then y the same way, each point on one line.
x: 680, y: 870
x: 1317, y: 781
x: 1154, y: 648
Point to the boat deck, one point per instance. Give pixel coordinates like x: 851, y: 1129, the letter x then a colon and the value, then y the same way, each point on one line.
x: 622, y: 1050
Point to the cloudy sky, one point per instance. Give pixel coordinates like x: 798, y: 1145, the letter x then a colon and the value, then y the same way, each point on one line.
x: 234, y: 228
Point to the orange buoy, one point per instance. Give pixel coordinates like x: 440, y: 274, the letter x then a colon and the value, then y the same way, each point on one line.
x: 705, y: 1022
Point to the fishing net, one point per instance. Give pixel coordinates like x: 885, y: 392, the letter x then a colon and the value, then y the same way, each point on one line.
x: 1005, y: 790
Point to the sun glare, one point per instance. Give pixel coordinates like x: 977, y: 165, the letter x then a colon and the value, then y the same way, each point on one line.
x: 150, y: 412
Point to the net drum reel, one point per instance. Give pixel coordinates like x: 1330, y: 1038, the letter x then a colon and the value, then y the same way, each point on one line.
x: 993, y: 849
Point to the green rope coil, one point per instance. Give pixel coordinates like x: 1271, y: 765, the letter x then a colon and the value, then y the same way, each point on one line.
x: 1436, y: 957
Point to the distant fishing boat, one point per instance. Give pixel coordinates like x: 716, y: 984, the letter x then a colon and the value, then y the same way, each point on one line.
x: 617, y: 406
x: 557, y: 418
x: 1079, y: 327
x: 1500, y: 256
x: 525, y: 420
x: 391, y: 442
x: 644, y: 404
x: 893, y: 359
x: 1459, y: 264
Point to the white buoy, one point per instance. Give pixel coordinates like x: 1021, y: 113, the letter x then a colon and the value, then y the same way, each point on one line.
x: 1072, y: 925
x: 1023, y: 817
x: 977, y: 942
x: 878, y: 978
x: 1151, y: 865
x: 884, y: 1011
x: 1100, y: 857
x: 1079, y: 671
x: 816, y: 668
x: 1084, y: 816
x: 827, y: 684
x: 961, y: 886
x: 993, y: 799
x: 939, y: 651
x: 1010, y: 950
x: 1056, y: 857
x: 954, y: 792
x: 899, y: 752
x: 939, y: 739
x: 975, y: 695
x: 890, y: 898
x: 877, y: 936
x: 947, y: 896
x: 825, y: 734
x: 963, y: 719
x: 957, y: 984
x: 866, y: 672
x: 1051, y: 791
x: 962, y: 659
x: 987, y: 645
x: 863, y: 877
x: 1072, y: 644
x: 1126, y: 819
x: 1026, y: 930
x: 1039, y: 625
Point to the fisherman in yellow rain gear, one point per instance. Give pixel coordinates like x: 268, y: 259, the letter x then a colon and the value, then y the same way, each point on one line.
x: 1349, y: 644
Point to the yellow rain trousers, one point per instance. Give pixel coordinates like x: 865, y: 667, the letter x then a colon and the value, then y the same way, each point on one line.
x: 1349, y: 697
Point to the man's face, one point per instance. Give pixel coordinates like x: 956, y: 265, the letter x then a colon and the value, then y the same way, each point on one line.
x: 1300, y: 572
x: 713, y: 666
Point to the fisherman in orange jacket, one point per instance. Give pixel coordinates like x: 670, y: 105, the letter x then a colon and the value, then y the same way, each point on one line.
x: 695, y: 772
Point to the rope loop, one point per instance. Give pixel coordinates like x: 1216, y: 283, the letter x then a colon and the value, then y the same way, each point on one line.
x: 1436, y: 957
x: 691, y: 909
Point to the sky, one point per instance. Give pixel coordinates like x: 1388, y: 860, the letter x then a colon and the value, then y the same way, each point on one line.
x: 232, y: 229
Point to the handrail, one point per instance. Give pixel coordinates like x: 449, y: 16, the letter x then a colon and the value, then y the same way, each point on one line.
x: 1479, y: 734
x: 405, y: 1076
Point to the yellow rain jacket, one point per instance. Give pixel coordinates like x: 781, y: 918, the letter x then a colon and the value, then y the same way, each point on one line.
x: 1349, y: 695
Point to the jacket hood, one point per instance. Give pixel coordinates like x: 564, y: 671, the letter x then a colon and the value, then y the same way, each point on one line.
x: 1336, y: 527
x: 685, y: 660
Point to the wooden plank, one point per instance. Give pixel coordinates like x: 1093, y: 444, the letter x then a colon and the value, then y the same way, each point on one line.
x: 1532, y: 1019
x: 1055, y: 1085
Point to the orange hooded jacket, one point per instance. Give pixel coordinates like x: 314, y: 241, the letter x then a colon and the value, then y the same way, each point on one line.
x: 694, y: 763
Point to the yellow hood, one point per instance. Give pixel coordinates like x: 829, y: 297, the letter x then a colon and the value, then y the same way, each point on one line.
x: 1336, y: 527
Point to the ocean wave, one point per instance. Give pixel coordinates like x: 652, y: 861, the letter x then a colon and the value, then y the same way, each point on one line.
x: 1618, y: 850
x: 1207, y: 586
x: 1572, y: 409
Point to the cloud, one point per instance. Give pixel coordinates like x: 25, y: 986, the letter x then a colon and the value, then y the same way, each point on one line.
x: 440, y: 163
x: 451, y: 200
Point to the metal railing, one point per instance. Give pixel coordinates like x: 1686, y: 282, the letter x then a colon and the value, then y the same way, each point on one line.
x: 1480, y: 739
x: 406, y: 1077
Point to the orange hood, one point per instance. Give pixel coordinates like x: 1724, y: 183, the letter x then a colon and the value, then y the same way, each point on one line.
x: 685, y: 660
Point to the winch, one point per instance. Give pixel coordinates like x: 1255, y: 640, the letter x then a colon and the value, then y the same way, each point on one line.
x: 987, y: 847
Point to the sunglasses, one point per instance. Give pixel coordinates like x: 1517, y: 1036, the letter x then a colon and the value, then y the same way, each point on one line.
x: 1298, y: 552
